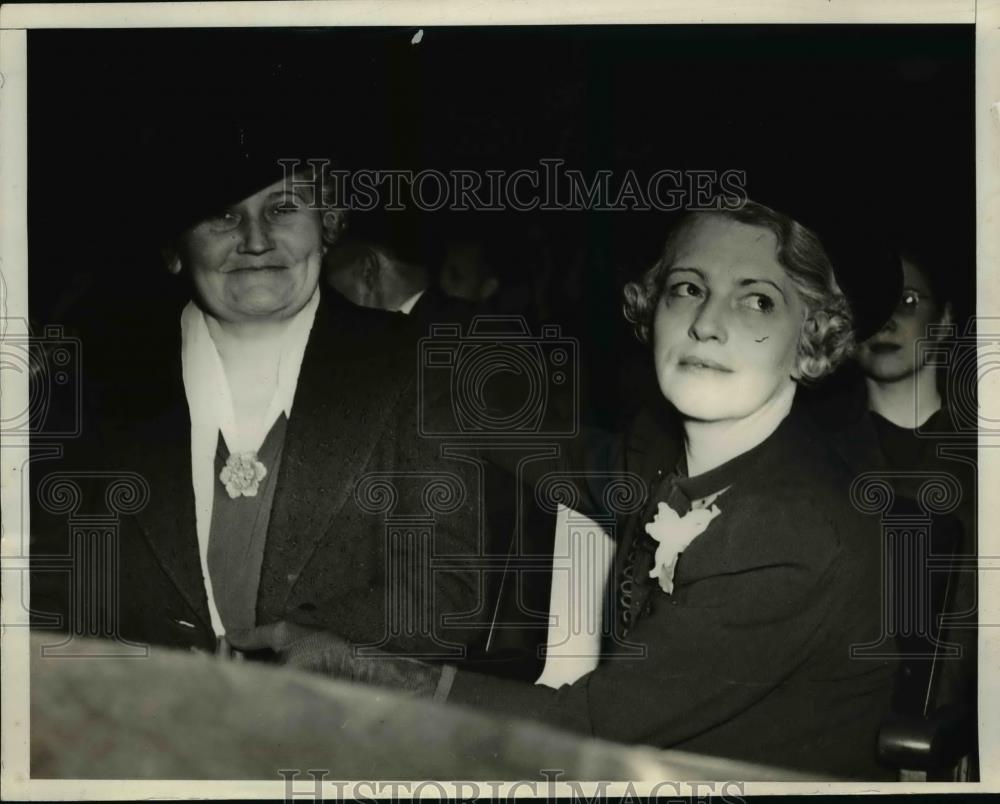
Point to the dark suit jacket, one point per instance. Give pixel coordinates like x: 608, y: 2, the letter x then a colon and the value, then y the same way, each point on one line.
x: 327, y: 559
x: 437, y: 307
x: 520, y: 532
x: 869, y: 443
x: 750, y: 657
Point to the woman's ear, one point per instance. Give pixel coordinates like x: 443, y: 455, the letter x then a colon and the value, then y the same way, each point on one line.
x: 800, y: 367
x: 172, y: 260
x: 798, y: 371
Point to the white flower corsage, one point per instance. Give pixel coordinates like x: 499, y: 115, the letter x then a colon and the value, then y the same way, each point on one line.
x: 242, y: 474
x: 673, y: 533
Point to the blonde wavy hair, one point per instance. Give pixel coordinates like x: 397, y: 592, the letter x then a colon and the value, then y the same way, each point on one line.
x: 827, y: 336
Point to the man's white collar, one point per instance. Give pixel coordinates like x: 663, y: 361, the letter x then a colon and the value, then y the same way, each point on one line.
x: 406, y: 307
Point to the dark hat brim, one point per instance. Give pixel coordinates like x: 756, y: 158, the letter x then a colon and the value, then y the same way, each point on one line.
x: 207, y: 167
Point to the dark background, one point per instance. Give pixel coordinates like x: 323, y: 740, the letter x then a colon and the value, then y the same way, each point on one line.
x: 872, y: 122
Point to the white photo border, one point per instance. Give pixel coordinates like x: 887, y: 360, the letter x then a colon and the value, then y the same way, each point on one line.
x: 16, y: 19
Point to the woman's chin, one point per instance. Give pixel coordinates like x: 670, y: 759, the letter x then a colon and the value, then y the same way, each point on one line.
x: 704, y: 406
x: 714, y: 404
x: 265, y: 304
x: 699, y: 397
x: 888, y: 369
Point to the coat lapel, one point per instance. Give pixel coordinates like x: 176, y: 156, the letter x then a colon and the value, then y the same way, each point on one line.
x: 652, y: 448
x: 349, y: 382
x: 168, y: 520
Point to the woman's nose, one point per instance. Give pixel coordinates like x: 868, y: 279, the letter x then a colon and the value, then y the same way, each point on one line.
x: 256, y: 236
x: 709, y: 322
x: 890, y: 325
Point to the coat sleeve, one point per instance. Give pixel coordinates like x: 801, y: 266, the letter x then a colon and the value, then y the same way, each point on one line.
x: 433, y: 584
x: 710, y: 652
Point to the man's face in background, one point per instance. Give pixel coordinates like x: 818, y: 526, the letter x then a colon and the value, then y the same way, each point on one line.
x: 465, y: 273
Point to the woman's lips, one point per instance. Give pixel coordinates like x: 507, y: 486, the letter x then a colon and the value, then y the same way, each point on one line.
x: 883, y: 348
x: 703, y: 364
x: 252, y: 268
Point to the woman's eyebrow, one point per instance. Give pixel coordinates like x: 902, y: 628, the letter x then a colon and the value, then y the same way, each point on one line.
x: 751, y: 281
x: 284, y: 193
x: 678, y: 268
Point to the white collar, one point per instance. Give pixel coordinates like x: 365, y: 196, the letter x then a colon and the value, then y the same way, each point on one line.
x: 406, y: 307
x: 210, y: 405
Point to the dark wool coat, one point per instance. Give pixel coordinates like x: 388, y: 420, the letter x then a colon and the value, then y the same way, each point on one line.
x: 326, y: 560
x: 750, y: 657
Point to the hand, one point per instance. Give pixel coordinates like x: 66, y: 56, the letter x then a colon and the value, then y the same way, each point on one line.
x: 318, y: 651
x: 278, y: 637
x: 298, y: 646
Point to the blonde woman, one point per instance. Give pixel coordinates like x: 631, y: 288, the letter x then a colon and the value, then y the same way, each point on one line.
x: 744, y: 576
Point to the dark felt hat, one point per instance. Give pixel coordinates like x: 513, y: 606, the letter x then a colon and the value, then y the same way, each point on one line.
x: 868, y: 269
x: 206, y: 163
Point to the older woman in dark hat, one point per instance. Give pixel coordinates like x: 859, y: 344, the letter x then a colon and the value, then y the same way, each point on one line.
x: 278, y: 398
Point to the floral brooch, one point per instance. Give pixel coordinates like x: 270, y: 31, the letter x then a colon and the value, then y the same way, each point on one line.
x: 242, y: 474
x: 673, y: 533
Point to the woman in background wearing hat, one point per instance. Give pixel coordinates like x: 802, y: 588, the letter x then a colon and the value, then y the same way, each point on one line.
x: 904, y: 364
x: 908, y: 432
x: 743, y: 575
